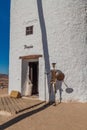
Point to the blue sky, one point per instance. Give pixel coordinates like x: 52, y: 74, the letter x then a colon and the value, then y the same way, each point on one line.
x: 4, y: 35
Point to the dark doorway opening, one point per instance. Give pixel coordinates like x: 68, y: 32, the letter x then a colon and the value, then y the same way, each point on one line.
x: 33, y: 76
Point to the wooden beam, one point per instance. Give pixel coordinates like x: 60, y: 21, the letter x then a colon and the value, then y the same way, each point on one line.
x: 30, y: 57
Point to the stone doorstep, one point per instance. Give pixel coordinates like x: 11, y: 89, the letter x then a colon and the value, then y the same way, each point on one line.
x: 33, y: 97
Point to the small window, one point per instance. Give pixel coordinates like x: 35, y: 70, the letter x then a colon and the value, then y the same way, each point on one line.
x: 29, y: 30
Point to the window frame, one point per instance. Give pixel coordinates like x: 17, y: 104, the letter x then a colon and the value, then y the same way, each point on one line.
x: 29, y: 30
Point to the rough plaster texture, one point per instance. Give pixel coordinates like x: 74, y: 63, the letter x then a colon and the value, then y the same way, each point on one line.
x: 65, y: 33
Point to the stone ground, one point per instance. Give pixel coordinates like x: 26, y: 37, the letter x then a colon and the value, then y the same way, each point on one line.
x: 64, y: 116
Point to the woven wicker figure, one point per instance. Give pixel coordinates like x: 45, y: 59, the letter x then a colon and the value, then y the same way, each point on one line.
x: 56, y: 75
x: 53, y: 78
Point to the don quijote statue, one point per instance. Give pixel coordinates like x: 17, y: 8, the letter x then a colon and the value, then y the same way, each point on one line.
x: 56, y: 75
x: 53, y: 78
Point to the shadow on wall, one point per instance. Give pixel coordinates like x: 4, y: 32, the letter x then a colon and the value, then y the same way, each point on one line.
x: 60, y: 80
x: 46, y: 55
x: 44, y: 40
x: 86, y: 20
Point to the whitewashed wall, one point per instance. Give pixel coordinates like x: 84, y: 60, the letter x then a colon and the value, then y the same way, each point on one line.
x: 65, y: 26
x: 21, y: 17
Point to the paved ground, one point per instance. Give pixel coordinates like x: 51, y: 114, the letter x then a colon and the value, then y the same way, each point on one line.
x: 61, y: 117
x: 16, y: 105
x: 64, y: 116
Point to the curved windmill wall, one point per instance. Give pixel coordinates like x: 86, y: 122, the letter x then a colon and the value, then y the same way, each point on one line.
x: 62, y: 29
